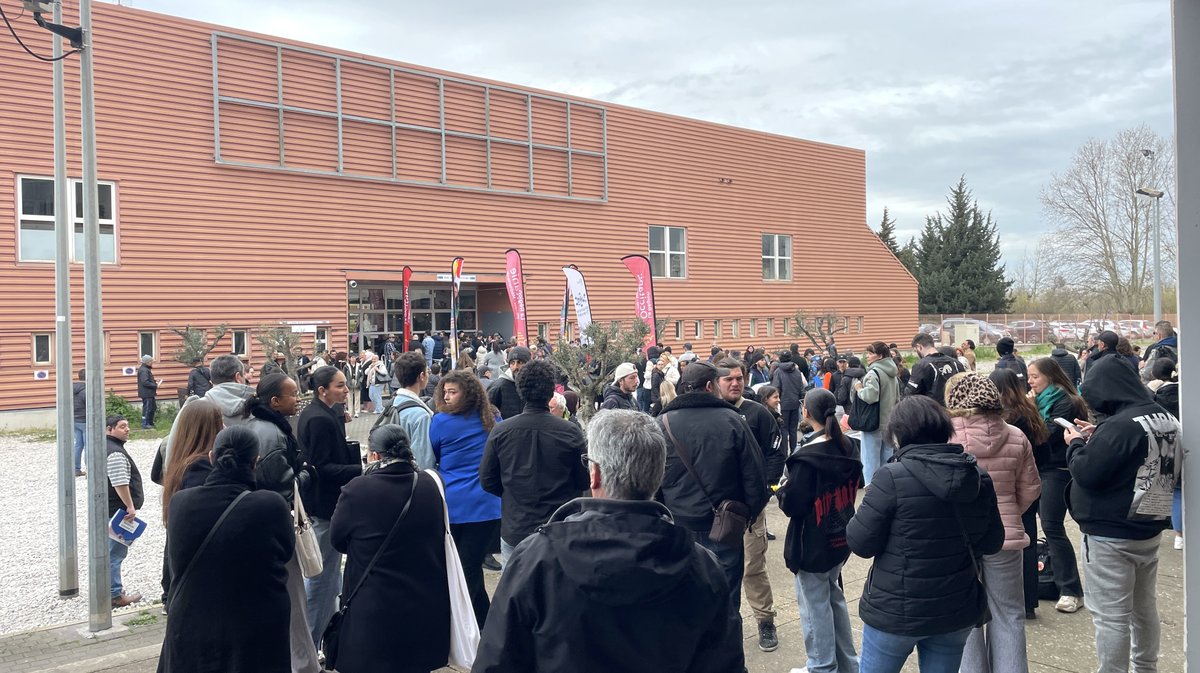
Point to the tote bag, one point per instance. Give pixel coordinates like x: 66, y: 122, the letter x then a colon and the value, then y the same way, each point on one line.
x: 308, y: 552
x: 464, y: 631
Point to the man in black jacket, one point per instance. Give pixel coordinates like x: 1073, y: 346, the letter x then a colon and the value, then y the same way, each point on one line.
x: 199, y: 379
x: 790, y: 381
x: 1006, y: 348
x: 1068, y: 363
x: 147, y: 390
x: 767, y: 439
x: 503, y: 392
x: 531, y: 461
x: 619, y: 394
x: 1124, y: 475
x: 930, y: 374
x: 611, y: 583
x: 854, y: 371
x: 712, y: 456
x: 124, y: 493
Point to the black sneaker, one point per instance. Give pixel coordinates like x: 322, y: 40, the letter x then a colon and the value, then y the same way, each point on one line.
x: 767, y: 640
x: 490, y: 563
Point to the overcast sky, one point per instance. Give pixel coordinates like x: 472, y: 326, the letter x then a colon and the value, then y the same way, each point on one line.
x: 1003, y: 92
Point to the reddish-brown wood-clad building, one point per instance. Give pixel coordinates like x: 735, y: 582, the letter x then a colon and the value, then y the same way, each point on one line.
x: 248, y: 180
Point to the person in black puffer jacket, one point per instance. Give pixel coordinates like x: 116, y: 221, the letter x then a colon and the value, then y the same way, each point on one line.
x: 1069, y: 363
x: 619, y: 394
x: 854, y: 372
x: 926, y: 519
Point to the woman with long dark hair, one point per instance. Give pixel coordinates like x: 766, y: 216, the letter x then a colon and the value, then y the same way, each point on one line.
x: 458, y: 433
x: 1056, y: 397
x: 817, y: 494
x: 229, y: 607
x: 322, y: 434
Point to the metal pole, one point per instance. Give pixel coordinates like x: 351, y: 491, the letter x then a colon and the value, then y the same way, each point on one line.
x: 1186, y: 15
x: 99, y: 585
x: 68, y: 553
x: 1157, y: 260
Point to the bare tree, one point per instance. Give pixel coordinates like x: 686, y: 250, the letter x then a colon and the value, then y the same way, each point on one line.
x: 822, y: 328
x: 196, y: 345
x: 1102, y: 241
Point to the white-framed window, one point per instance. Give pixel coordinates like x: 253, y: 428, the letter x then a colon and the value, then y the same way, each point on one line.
x: 776, y: 257
x: 787, y: 326
x: 716, y: 329
x: 543, y: 331
x: 735, y: 327
x: 43, y: 348
x: 668, y: 252
x: 698, y: 329
x: 241, y: 342
x: 35, y: 231
x: 321, y: 341
x: 754, y: 327
x: 678, y: 329
x: 770, y: 327
x: 147, y: 344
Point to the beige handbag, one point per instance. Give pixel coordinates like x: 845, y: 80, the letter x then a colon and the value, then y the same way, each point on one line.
x: 308, y: 552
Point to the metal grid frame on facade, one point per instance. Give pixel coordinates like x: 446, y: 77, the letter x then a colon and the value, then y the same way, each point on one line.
x: 487, y: 138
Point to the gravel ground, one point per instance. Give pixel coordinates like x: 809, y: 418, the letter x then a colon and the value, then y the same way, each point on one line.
x: 29, y: 526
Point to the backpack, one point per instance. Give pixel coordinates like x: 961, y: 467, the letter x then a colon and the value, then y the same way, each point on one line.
x: 391, y: 415
x: 1047, y: 589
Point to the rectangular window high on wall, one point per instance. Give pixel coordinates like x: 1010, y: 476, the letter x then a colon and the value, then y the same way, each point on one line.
x: 776, y: 257
x: 147, y: 344
x: 770, y: 327
x: 241, y: 344
x: 668, y: 252
x: 716, y: 329
x: 754, y: 327
x: 698, y: 330
x: 321, y: 343
x: 35, y: 232
x: 43, y: 349
x: 678, y: 329
x: 735, y: 327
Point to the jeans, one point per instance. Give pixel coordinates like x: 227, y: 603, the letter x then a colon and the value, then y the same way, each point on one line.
x: 506, y: 551
x: 643, y: 400
x: 149, y: 407
x: 352, y: 402
x: 1052, y: 509
x: 791, y: 421
x: 1120, y: 592
x: 875, y: 453
x: 81, y: 442
x: 116, y: 556
x: 755, y: 580
x: 472, y: 541
x: 1176, y: 506
x: 732, y: 561
x: 377, y: 398
x: 999, y: 647
x: 884, y: 652
x: 322, y: 591
x: 828, y: 639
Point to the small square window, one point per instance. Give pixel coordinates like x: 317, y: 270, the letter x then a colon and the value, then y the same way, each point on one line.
x: 147, y: 344
x: 776, y: 257
x: 754, y: 327
x: 678, y: 329
x: 668, y: 252
x: 735, y: 327
x: 716, y: 329
x: 770, y: 327
x: 698, y: 329
x: 43, y: 348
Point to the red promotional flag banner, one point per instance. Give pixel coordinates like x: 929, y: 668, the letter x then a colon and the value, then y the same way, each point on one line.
x: 514, y: 280
x: 639, y: 266
x: 455, y: 282
x: 407, y: 310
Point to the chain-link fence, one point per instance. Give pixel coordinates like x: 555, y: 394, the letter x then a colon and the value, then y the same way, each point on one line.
x: 1036, y: 328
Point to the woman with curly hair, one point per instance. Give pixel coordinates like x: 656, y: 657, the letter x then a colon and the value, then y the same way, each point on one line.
x: 457, y: 434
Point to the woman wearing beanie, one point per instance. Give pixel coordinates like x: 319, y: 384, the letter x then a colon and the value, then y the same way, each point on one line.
x: 817, y: 493
x: 398, y: 620
x: 229, y: 597
x: 1001, y: 449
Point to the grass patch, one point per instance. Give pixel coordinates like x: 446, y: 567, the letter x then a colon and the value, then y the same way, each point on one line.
x: 33, y: 434
x: 144, y: 618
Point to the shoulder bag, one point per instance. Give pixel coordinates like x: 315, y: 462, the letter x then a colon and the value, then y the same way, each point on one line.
x: 179, y: 582
x: 308, y: 552
x: 731, y: 519
x: 985, y: 610
x: 330, y: 639
x: 464, y: 630
x: 864, y: 416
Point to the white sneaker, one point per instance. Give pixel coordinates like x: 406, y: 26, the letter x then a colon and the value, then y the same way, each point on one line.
x: 799, y: 670
x: 1068, y: 604
x: 1179, y: 542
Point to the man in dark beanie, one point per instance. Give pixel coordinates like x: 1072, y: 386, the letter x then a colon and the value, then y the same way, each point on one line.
x: 1008, y: 360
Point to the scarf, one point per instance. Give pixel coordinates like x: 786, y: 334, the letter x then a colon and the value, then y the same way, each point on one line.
x: 1047, y: 398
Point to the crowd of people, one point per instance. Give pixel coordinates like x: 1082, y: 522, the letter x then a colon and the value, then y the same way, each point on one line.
x: 629, y: 547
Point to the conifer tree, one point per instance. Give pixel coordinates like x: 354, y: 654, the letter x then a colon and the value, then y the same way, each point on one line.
x: 887, y: 232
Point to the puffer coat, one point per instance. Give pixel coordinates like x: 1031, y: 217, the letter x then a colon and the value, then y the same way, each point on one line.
x: 1005, y: 453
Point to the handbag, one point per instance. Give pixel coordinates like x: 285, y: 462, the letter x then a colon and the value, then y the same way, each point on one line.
x: 985, y: 610
x: 464, y: 630
x: 179, y: 582
x: 864, y: 415
x: 308, y: 552
x: 731, y: 519
x: 331, y: 638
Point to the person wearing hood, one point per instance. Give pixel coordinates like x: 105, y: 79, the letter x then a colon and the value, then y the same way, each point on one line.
x: 619, y: 393
x: 1167, y: 346
x: 1125, y: 469
x: 229, y: 393
x: 931, y: 372
x: 926, y: 520
x: 79, y: 414
x: 613, y: 569
x: 853, y: 373
x: 199, y: 379
x: 1105, y: 346
x: 790, y: 382
x: 1006, y: 454
x: 1006, y: 349
x: 1166, y: 394
x: 503, y: 394
x: 877, y: 386
x: 1069, y: 363
x: 817, y: 494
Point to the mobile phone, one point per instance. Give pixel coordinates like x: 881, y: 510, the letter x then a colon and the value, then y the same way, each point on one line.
x: 1068, y: 425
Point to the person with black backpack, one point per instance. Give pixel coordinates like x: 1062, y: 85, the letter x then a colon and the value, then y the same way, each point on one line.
x: 871, y: 403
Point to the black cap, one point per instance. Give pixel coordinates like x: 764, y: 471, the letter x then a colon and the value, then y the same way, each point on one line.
x: 1109, y: 338
x: 1005, y: 345
x: 697, y: 375
x: 519, y: 354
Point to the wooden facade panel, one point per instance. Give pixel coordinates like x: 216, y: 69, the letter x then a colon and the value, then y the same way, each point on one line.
x: 549, y: 122
x: 310, y: 141
x: 367, y: 149
x: 247, y: 70
x: 417, y: 99
x: 465, y: 108
x: 309, y: 81
x: 366, y: 91
x: 249, y: 134
x: 550, y: 172
x: 510, y: 167
x: 418, y: 155
x: 508, y: 115
x: 466, y: 162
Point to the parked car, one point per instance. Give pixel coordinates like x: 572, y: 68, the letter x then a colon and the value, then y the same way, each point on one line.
x: 930, y: 329
x: 1097, y: 325
x: 1066, y: 331
x: 1031, y: 331
x: 1136, y: 329
x: 951, y: 331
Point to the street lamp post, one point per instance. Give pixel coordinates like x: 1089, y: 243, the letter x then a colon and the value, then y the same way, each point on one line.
x: 1157, y: 195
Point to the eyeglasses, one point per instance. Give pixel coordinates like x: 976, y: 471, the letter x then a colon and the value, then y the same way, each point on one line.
x: 585, y: 459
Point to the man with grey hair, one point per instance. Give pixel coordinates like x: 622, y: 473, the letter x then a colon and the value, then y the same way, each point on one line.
x: 613, y: 568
